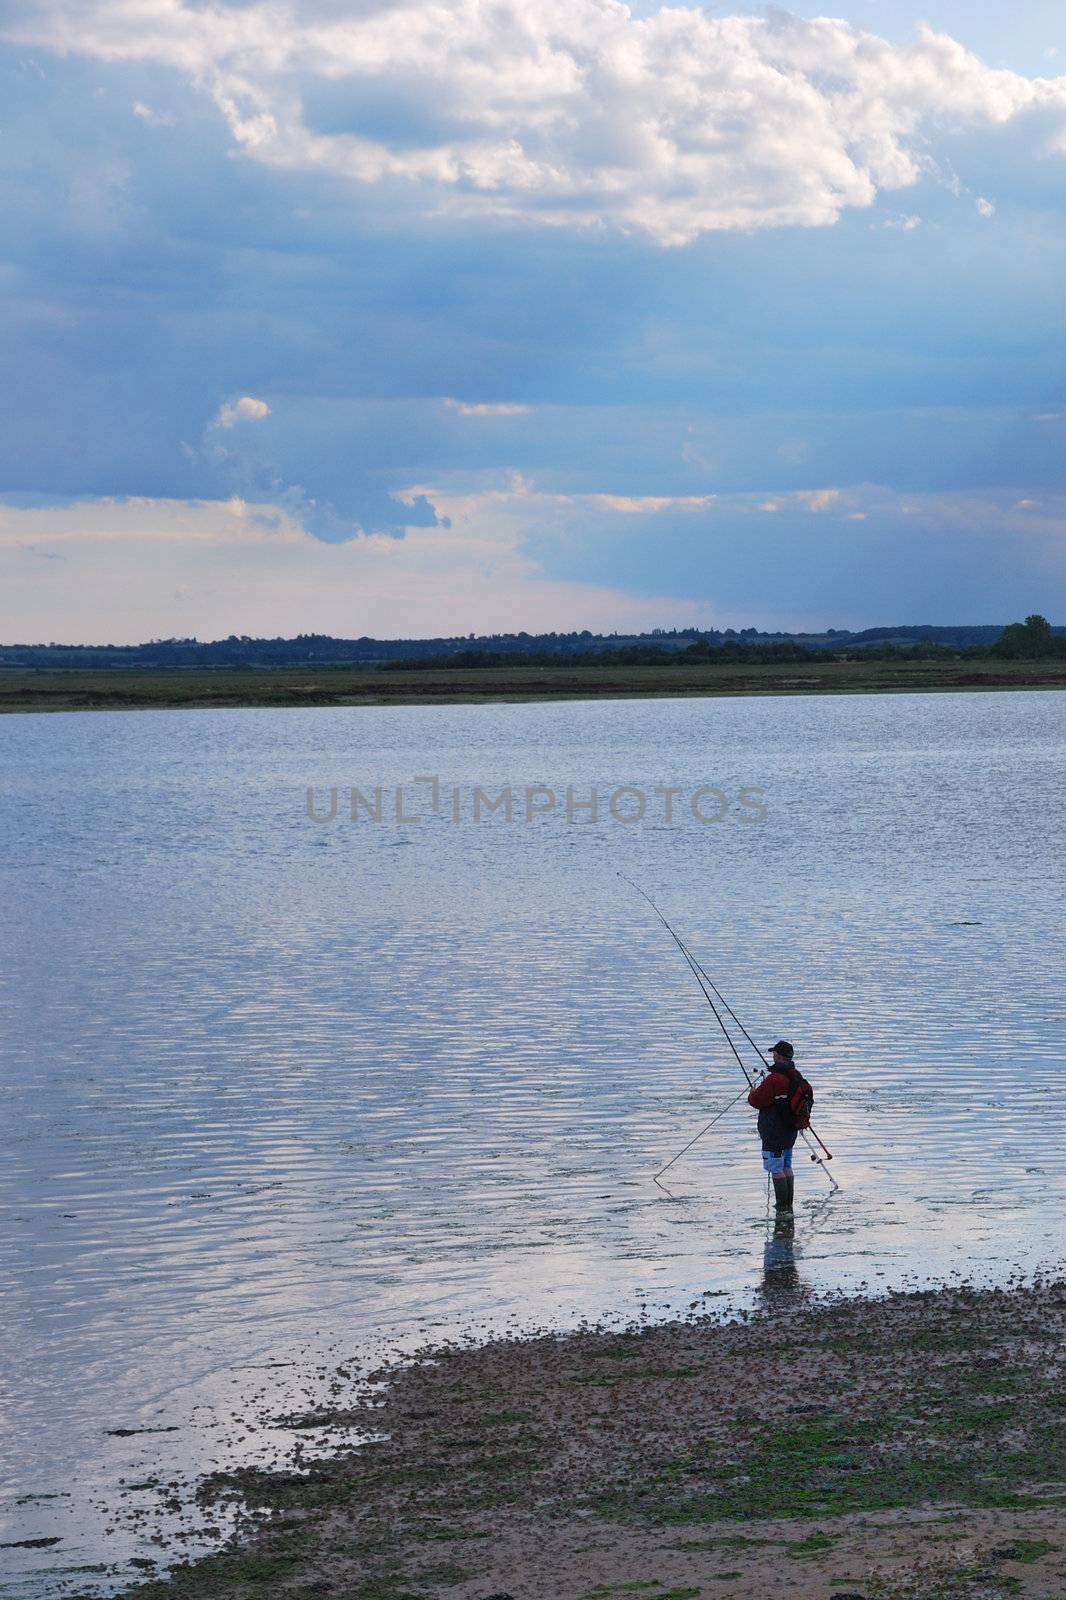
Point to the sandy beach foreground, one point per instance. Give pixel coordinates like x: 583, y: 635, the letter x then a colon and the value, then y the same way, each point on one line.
x: 911, y: 1446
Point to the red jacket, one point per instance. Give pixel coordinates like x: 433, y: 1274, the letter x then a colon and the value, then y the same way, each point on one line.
x: 774, y: 1085
x: 777, y: 1127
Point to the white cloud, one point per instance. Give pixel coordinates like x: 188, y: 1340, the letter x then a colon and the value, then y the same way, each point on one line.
x: 154, y: 119
x: 818, y: 499
x: 487, y: 408
x: 805, y: 499
x: 904, y: 223
x: 509, y: 509
x: 630, y: 505
x: 134, y: 569
x: 246, y: 409
x: 521, y: 497
x: 128, y: 570
x: 573, y: 111
x: 985, y: 208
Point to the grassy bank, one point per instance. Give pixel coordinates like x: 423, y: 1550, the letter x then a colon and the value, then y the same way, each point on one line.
x: 59, y: 690
x: 875, y: 1449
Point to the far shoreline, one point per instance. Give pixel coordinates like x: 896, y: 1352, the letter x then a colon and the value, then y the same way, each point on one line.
x: 25, y: 690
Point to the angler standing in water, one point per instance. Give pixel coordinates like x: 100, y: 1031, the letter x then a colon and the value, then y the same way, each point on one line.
x: 784, y: 1093
x: 783, y: 1100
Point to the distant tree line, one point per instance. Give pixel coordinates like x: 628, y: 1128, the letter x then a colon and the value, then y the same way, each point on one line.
x: 626, y: 655
x: 1032, y: 639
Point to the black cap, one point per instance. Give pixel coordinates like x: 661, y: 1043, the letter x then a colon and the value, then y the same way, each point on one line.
x: 783, y: 1048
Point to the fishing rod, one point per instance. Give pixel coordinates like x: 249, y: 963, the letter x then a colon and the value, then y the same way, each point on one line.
x: 709, y: 988
x: 701, y: 978
x: 810, y: 1130
x: 819, y: 1161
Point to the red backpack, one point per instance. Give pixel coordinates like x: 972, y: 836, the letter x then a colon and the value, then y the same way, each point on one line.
x: 800, y: 1098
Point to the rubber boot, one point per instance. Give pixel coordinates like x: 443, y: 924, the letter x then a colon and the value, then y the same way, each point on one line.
x: 782, y: 1199
x: 790, y: 1180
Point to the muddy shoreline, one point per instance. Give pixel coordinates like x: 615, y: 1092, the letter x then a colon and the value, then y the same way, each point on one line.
x: 178, y: 688
x: 910, y: 1446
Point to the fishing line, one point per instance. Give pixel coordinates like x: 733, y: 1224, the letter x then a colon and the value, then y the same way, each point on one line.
x: 714, y: 1119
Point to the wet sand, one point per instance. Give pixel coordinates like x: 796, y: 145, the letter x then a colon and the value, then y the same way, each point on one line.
x: 906, y: 1447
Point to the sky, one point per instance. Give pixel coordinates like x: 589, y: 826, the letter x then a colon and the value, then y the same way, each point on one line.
x: 420, y: 317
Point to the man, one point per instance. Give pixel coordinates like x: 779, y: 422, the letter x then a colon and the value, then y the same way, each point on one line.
x: 777, y: 1125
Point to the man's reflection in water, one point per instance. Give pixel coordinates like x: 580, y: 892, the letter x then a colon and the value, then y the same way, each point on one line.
x: 781, y: 1284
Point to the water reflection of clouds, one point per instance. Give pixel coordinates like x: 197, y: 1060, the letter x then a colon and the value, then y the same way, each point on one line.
x: 287, y: 1080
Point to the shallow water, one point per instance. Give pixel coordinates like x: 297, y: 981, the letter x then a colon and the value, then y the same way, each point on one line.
x: 280, y: 1090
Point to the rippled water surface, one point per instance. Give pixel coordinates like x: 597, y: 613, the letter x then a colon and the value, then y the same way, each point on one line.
x: 277, y: 1089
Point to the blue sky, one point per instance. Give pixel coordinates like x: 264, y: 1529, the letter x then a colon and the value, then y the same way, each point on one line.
x: 409, y: 318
